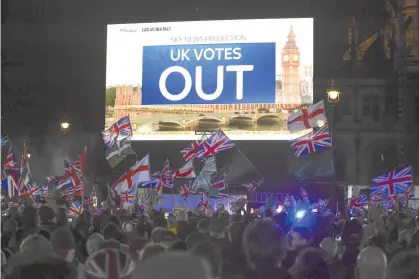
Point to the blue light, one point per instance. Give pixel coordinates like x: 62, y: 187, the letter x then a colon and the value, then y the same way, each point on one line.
x: 300, y: 214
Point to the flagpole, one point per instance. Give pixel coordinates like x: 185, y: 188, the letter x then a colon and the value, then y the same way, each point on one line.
x: 10, y: 142
x: 129, y: 140
x: 414, y: 190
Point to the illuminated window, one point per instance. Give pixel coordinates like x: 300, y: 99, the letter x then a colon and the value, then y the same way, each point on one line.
x: 409, y: 35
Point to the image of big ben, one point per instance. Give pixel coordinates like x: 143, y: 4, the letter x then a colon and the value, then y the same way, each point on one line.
x: 291, y: 96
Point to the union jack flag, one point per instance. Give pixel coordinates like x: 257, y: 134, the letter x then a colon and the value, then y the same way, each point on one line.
x: 153, y: 183
x: 185, y: 190
x: 109, y: 263
x: 76, y: 208
x: 216, y: 143
x: 406, y: 196
x: 388, y: 202
x: 165, y: 177
x: 354, y: 203
x: 375, y: 191
x: 218, y: 188
x: 312, y: 142
x: 363, y: 199
x: 251, y: 187
x: 33, y: 191
x: 128, y: 196
x: 120, y: 129
x: 394, y: 182
x: 70, y: 169
x: 10, y: 163
x: 203, y: 204
x: 8, y: 183
x: 189, y: 152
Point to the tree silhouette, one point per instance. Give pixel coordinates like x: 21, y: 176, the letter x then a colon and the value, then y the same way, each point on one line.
x: 110, y: 96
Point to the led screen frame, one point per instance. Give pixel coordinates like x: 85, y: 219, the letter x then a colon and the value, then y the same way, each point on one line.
x: 188, y: 119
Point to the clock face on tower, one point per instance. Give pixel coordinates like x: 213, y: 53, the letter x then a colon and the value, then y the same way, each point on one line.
x: 295, y: 58
x: 286, y: 58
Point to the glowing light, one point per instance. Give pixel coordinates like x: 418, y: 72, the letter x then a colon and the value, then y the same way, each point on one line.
x: 65, y: 125
x: 300, y: 214
x: 314, y: 210
x: 333, y: 94
x: 280, y: 209
x: 320, y: 123
x: 29, y: 155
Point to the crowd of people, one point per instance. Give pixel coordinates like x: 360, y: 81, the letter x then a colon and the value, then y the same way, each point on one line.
x: 44, y: 243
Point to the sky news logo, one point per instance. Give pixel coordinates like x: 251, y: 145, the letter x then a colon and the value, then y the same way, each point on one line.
x: 155, y: 29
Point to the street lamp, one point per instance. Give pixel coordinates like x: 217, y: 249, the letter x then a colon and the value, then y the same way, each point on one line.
x: 333, y: 94
x: 65, y: 123
x: 65, y: 126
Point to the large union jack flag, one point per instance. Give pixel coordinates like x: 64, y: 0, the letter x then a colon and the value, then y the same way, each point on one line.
x: 394, y: 182
x: 189, y: 152
x: 216, y: 143
x: 109, y: 263
x: 120, y: 129
x: 312, y: 142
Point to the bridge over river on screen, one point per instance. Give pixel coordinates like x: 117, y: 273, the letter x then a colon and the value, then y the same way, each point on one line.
x: 183, y: 120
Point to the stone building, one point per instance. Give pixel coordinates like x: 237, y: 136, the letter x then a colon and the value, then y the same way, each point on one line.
x: 127, y: 96
x: 375, y: 125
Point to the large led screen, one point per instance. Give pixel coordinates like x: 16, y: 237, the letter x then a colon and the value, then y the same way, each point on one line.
x: 180, y: 80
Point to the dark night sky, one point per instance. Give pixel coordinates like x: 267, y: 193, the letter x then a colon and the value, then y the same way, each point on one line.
x: 56, y: 66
